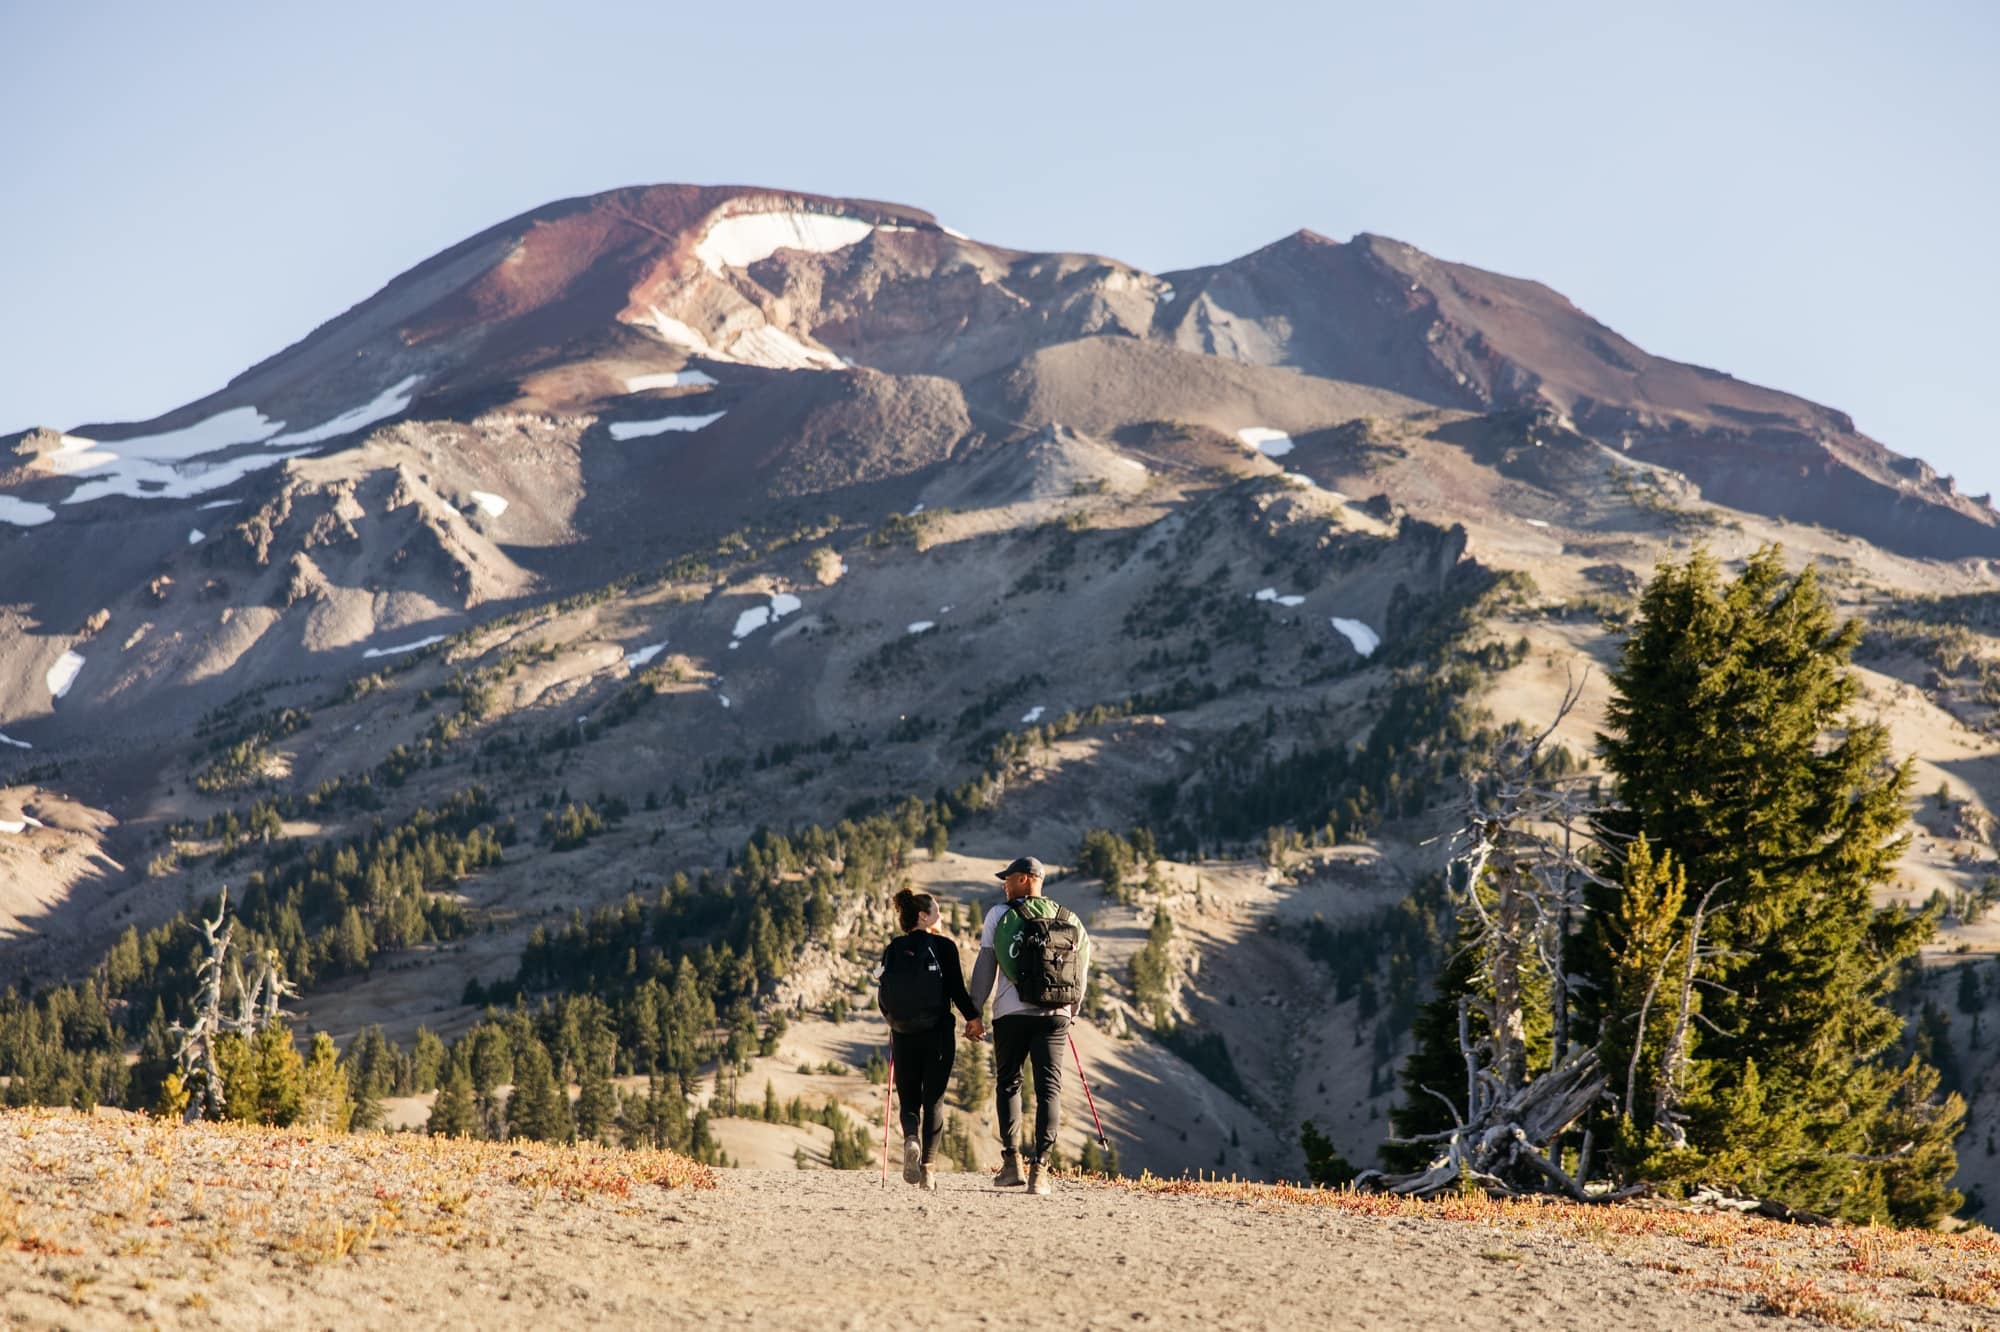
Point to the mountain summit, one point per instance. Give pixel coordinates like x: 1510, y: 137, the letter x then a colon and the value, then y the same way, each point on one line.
x: 695, y: 564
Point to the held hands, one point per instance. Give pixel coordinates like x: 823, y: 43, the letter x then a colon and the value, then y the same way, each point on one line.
x: 975, y: 1030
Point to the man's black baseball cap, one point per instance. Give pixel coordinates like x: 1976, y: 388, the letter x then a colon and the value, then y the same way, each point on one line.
x: 1024, y: 865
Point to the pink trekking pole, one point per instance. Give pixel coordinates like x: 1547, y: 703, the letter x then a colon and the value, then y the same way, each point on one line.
x: 887, y: 1087
x: 1102, y: 1145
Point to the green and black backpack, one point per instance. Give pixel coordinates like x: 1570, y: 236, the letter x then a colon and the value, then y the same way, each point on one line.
x: 1042, y: 948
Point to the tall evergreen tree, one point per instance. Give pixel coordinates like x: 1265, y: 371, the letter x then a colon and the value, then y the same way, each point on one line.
x: 452, y: 1114
x: 324, y: 1101
x: 596, y: 1101
x: 1737, y: 749
x: 537, y: 1107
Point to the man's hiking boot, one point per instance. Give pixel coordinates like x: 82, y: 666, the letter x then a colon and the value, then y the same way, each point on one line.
x: 1038, y: 1183
x: 1010, y: 1172
x: 913, y: 1160
x: 930, y: 1181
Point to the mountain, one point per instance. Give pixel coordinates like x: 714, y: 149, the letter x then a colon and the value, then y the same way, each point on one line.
x: 643, y: 529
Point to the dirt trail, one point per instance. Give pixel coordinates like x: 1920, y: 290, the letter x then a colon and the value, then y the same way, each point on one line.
x: 825, y: 1249
x: 120, y: 1220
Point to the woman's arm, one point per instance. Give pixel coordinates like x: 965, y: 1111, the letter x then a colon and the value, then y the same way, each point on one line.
x: 954, y: 977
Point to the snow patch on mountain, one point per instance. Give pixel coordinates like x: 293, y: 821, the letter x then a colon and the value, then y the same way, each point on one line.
x: 922, y: 626
x: 742, y: 240
x: 634, y: 660
x: 401, y: 648
x: 661, y: 425
x: 1271, y: 443
x: 6, y: 739
x: 23, y: 513
x: 778, y: 350
x: 673, y: 331
x: 63, y: 674
x: 391, y: 401
x: 139, y: 478
x: 1365, y: 640
x: 1033, y: 715
x: 750, y: 621
x: 239, y: 425
x: 196, y: 536
x: 669, y: 379
x: 490, y: 502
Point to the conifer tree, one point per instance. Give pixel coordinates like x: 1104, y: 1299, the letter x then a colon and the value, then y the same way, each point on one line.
x: 537, y: 1108
x: 452, y: 1113
x: 427, y: 1061
x: 1737, y: 748
x: 281, y: 1076
x: 324, y: 1102
x: 173, y: 1101
x: 596, y: 1101
x: 1647, y: 949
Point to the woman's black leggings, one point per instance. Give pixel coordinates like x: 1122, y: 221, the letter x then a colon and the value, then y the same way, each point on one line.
x: 923, y: 1074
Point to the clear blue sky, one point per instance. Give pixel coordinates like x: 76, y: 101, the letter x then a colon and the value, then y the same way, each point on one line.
x: 1803, y: 194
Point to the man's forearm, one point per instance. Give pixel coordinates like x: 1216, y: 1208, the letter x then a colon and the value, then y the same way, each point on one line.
x: 983, y: 972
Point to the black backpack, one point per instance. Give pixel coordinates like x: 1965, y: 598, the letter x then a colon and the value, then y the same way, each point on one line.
x: 1048, y: 957
x: 911, y: 992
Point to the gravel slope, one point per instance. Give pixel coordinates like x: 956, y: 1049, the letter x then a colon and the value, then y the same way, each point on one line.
x: 118, y: 1220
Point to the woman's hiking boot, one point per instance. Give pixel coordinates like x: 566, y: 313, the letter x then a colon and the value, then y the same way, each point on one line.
x: 1038, y: 1183
x: 1010, y: 1172
x: 930, y: 1181
x: 913, y: 1160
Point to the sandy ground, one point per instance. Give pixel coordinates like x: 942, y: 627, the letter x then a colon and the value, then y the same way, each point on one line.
x: 117, y: 1220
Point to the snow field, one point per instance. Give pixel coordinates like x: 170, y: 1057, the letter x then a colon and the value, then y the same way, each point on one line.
x: 490, y: 502
x: 63, y: 674
x: 22, y: 513
x: 640, y: 429
x: 750, y: 621
x: 391, y: 401
x: 1365, y: 640
x: 922, y: 626
x: 742, y: 240
x: 1271, y: 594
x: 404, y: 647
x: 634, y: 660
x: 15, y: 827
x: 6, y: 739
x: 1271, y: 443
x: 1033, y: 715
x: 196, y: 536
x: 669, y: 379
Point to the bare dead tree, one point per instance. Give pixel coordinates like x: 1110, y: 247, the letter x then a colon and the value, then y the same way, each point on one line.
x: 258, y: 1004
x: 1517, y: 862
x: 200, y: 1074
x: 1667, y: 1088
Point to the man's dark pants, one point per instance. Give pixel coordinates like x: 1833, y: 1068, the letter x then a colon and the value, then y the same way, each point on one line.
x: 1036, y: 1039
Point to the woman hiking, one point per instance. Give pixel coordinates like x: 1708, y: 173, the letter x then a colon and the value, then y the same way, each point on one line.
x: 921, y: 983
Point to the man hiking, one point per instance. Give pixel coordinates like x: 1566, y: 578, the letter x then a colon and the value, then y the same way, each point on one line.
x: 1034, y: 960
